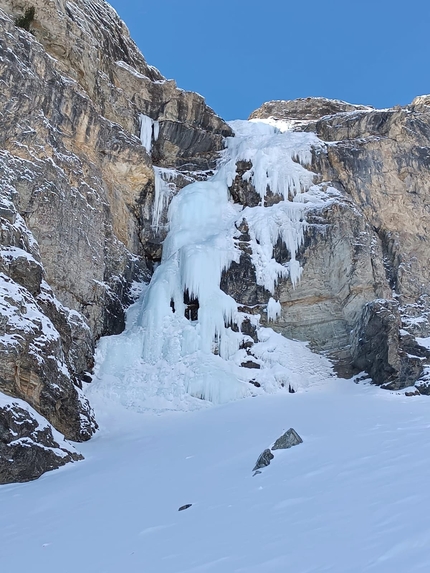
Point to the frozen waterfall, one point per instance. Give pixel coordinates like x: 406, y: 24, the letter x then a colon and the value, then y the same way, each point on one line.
x: 183, y: 338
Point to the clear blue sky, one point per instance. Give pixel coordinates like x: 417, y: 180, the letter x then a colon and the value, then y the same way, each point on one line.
x: 240, y: 53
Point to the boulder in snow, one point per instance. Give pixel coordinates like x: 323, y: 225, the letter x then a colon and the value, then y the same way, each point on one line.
x: 186, y: 506
x: 288, y: 439
x: 29, y: 445
x: 263, y: 460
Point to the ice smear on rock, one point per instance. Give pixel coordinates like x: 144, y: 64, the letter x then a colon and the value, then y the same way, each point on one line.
x: 180, y: 345
x: 284, y: 220
x: 273, y: 309
x: 164, y: 188
x: 149, y: 129
x: 278, y: 159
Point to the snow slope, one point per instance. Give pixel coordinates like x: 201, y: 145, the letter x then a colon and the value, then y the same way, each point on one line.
x: 353, y: 497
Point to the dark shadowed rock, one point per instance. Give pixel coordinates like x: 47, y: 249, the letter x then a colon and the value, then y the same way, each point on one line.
x: 249, y: 329
x: 289, y: 439
x: 240, y: 281
x: 263, y: 460
x: 392, y: 357
x: 375, y: 341
x: 241, y: 190
x: 413, y: 393
x: 186, y: 506
x: 423, y: 386
x: 250, y: 364
x: 29, y: 446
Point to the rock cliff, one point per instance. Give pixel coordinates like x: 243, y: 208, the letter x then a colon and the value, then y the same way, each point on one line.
x: 364, y: 293
x: 93, y: 144
x: 78, y: 104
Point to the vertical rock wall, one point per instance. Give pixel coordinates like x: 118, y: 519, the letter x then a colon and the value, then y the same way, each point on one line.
x: 77, y: 189
x: 371, y: 245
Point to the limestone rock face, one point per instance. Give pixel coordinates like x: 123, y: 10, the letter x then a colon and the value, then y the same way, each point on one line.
x: 92, y: 46
x: 370, y: 243
x: 81, y: 176
x: 381, y: 159
x: 45, y: 348
x: 343, y: 270
x: 75, y: 178
x: 77, y: 190
x: 304, y: 109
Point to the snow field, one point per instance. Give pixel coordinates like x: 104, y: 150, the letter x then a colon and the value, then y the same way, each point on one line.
x: 352, y: 498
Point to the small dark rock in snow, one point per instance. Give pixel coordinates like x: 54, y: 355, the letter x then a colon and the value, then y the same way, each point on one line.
x: 250, y: 364
x: 289, y: 439
x: 263, y: 460
x: 413, y: 393
x: 186, y: 506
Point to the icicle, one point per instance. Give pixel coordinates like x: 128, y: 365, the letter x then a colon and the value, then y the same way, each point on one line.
x: 149, y: 130
x: 267, y: 225
x: 295, y: 270
x: 164, y: 188
x: 156, y: 130
x: 274, y: 309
